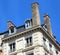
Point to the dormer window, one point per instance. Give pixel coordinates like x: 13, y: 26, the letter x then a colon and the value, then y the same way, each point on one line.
x: 12, y: 29
x: 28, y: 24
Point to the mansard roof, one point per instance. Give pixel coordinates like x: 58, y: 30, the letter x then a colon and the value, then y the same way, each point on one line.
x: 19, y: 29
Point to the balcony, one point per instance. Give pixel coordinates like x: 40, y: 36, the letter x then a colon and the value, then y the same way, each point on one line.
x: 27, y: 45
x: 12, y: 51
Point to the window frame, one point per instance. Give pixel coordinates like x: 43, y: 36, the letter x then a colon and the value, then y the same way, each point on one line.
x: 12, y: 29
x: 29, y: 41
x: 28, y: 24
x: 12, y: 47
x: 57, y: 52
x: 50, y: 45
x: 29, y: 52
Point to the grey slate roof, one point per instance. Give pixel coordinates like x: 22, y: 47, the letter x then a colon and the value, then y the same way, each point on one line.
x: 19, y: 29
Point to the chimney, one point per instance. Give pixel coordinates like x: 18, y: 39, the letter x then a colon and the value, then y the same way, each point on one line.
x: 47, y: 23
x: 35, y: 14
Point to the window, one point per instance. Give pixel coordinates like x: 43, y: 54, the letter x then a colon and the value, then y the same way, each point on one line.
x: 12, y: 47
x: 12, y: 29
x: 46, y: 53
x: 28, y: 41
x: 57, y: 52
x: 45, y: 27
x: 30, y: 52
x: 28, y: 24
x: 50, y: 45
x: 44, y: 39
x: 44, y: 42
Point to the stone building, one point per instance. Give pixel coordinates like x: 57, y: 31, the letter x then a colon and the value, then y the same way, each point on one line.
x: 32, y: 38
x: 0, y: 45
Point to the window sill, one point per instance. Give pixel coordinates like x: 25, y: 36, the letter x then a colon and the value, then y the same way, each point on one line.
x: 13, y: 52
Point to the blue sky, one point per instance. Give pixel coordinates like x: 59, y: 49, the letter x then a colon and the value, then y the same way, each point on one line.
x: 20, y: 10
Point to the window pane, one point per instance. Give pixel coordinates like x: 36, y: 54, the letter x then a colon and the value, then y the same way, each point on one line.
x: 44, y: 39
x: 13, y: 46
x: 30, y: 54
x: 56, y: 52
x: 28, y: 41
x: 12, y: 29
x: 50, y: 45
x: 10, y: 46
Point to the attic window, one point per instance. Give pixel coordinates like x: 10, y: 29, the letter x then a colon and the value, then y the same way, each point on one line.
x: 28, y: 24
x: 12, y: 29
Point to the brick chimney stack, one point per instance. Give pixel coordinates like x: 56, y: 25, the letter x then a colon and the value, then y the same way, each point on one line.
x: 47, y: 23
x: 35, y: 14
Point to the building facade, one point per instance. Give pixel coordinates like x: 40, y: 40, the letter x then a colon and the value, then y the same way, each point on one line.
x: 0, y: 45
x: 32, y: 38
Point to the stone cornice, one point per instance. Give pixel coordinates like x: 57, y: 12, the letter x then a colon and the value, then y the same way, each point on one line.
x: 21, y: 33
x: 33, y: 29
